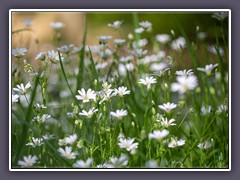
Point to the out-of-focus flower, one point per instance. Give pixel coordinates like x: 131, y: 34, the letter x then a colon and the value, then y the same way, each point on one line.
x: 115, y: 24
x: 184, y: 83
x: 139, y: 30
x: 208, y: 68
x: 151, y: 164
x: 119, y: 114
x: 119, y: 42
x: 163, y: 38
x: 67, y: 153
x: 83, y: 164
x: 175, y: 143
x: 205, y: 145
x: 43, y: 118
x: 71, y: 139
x: 220, y: 15
x: 88, y: 113
x: 66, y: 48
x: 146, y: 25
x: 118, y: 162
x: 215, y: 50
x: 222, y: 108
x: 15, y: 98
x: 28, y: 161
x: 41, y: 56
x: 158, y: 135
x: 104, y: 39
x: 184, y: 72
x: 35, y: 142
x: 19, y: 52
x: 178, y: 44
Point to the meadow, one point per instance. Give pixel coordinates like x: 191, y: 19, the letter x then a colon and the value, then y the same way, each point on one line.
x: 140, y: 101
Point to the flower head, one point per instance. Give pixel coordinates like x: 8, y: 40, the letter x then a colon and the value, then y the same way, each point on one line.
x: 67, y: 153
x: 115, y: 24
x: 28, y: 161
x: 128, y: 144
x: 54, y: 57
x: 175, y: 143
x: 147, y: 81
x: 208, y: 69
x: 121, y: 91
x: 168, y: 107
x: 184, y: 83
x: 178, y: 44
x: 205, y: 145
x: 88, y: 113
x: 43, y: 118
x: 158, y: 135
x: 119, y: 113
x: 71, y: 139
x: 163, y: 38
x: 66, y: 48
x: 184, y: 72
x: 104, y: 39
x: 19, y: 52
x: 220, y: 15
x: 83, y: 164
x: 118, y: 162
x: 166, y: 123
x: 15, y: 98
x: 35, y: 142
x: 22, y: 89
x: 41, y: 56
x: 215, y: 50
x: 146, y: 25
x: 86, y: 96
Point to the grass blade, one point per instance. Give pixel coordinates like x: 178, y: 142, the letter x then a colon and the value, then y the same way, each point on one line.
x: 81, y: 58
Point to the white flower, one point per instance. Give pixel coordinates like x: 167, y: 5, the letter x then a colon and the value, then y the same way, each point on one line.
x: 140, y: 43
x: 39, y: 107
x: 128, y: 144
x: 166, y: 123
x: 158, y: 66
x: 88, y: 113
x: 41, y: 56
x: 71, y: 139
x: 184, y: 72
x: 118, y: 162
x: 178, y: 44
x: 119, y: 42
x: 140, y: 52
x: 106, y: 95
x: 220, y: 15
x: 139, y: 30
x: 101, y: 65
x: 205, y: 145
x: 158, y: 135
x: 147, y: 81
x: 146, y: 25
x: 184, y: 83
x: 126, y: 59
x: 28, y: 161
x: 104, y: 165
x: 214, y: 50
x: 208, y: 68
x: 35, y: 142
x: 104, y: 39
x: 83, y: 164
x: 168, y: 107
x: 67, y: 153
x: 222, y: 108
x: 151, y: 164
x: 175, y: 143
x: 206, y: 110
x: 119, y: 113
x: 66, y: 48
x: 48, y: 136
x: 86, y: 96
x: 22, y: 89
x: 53, y: 56
x: 121, y: 91
x: 19, y: 52
x: 115, y: 24
x: 163, y: 38
x: 15, y: 98
x: 57, y: 25
x: 106, y: 86
x: 42, y: 118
